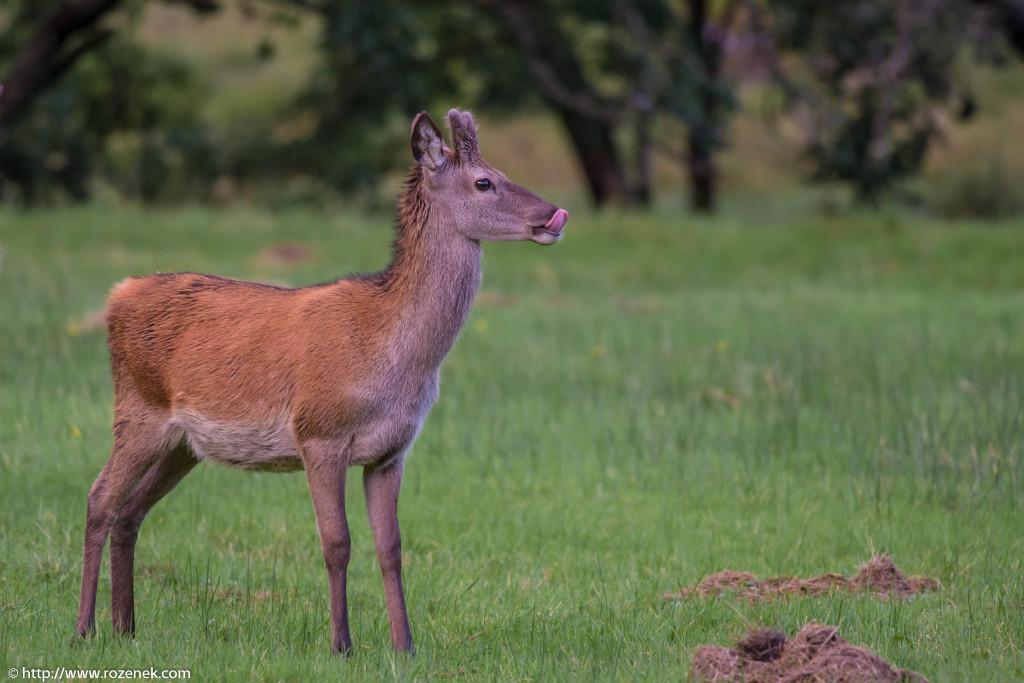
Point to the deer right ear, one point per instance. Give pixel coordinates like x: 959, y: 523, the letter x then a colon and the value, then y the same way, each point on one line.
x: 427, y: 143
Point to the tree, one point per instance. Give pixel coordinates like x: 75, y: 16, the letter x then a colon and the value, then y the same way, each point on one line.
x: 628, y: 79
x: 639, y: 65
x: 559, y: 76
x: 643, y: 61
x: 379, y: 66
x: 703, y: 135
x: 873, y: 74
x: 384, y: 61
x: 70, y: 82
x: 64, y: 33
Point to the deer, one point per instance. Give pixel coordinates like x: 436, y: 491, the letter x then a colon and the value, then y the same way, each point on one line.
x: 321, y: 378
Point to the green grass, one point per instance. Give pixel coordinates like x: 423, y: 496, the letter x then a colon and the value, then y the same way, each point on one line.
x: 652, y: 400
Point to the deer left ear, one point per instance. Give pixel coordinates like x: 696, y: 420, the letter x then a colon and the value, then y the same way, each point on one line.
x: 463, y: 130
x: 427, y: 143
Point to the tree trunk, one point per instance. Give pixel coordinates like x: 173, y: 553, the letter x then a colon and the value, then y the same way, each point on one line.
x: 702, y: 135
x: 595, y: 149
x: 641, y: 191
x: 701, y: 165
x: 561, y: 81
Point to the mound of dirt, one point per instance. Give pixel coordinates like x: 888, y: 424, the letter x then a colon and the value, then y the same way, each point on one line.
x: 816, y: 653
x: 284, y: 254
x: 878, y: 576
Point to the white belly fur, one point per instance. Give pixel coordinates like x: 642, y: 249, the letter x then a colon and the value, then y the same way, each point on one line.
x: 267, y: 447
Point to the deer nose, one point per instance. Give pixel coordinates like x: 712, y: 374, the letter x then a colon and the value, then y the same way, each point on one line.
x: 557, y: 221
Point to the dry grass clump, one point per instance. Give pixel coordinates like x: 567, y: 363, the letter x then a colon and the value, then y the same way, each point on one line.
x: 815, y: 654
x: 878, y: 575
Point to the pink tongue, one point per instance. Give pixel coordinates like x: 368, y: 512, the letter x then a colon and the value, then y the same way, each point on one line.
x: 557, y: 221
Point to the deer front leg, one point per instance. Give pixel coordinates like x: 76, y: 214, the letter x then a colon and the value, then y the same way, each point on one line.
x: 381, y: 487
x: 326, y: 473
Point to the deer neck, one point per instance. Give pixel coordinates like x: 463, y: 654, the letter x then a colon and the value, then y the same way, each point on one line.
x: 430, y: 284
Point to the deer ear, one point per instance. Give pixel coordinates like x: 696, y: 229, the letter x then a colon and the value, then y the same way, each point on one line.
x: 463, y: 129
x: 427, y: 143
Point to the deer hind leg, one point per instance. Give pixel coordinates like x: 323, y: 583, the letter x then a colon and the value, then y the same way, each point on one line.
x: 326, y: 471
x: 381, y: 487
x: 157, y: 483
x: 136, y: 449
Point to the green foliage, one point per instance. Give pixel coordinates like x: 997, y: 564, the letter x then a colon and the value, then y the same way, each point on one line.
x: 875, y: 71
x: 380, y: 66
x: 165, y: 151
x: 123, y: 114
x: 625, y: 413
x: 869, y: 77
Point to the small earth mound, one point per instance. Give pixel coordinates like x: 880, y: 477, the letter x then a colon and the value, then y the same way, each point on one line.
x: 490, y: 297
x: 877, y: 576
x: 284, y: 254
x: 816, y: 653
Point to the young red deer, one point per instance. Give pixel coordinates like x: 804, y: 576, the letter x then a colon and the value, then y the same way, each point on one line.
x: 320, y: 378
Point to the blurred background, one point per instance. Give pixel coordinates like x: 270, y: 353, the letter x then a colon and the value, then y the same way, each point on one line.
x: 685, y: 103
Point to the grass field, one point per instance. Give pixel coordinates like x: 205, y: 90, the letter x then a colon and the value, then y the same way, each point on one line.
x: 654, y: 399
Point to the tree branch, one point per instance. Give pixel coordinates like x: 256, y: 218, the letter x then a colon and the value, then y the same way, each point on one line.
x: 516, y: 15
x: 86, y: 45
x: 44, y: 58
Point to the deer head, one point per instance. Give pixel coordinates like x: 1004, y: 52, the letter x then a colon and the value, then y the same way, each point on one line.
x: 481, y: 203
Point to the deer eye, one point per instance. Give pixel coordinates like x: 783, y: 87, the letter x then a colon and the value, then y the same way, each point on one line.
x: 483, y: 184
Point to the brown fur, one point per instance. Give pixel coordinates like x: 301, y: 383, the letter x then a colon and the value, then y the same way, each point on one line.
x: 320, y: 378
